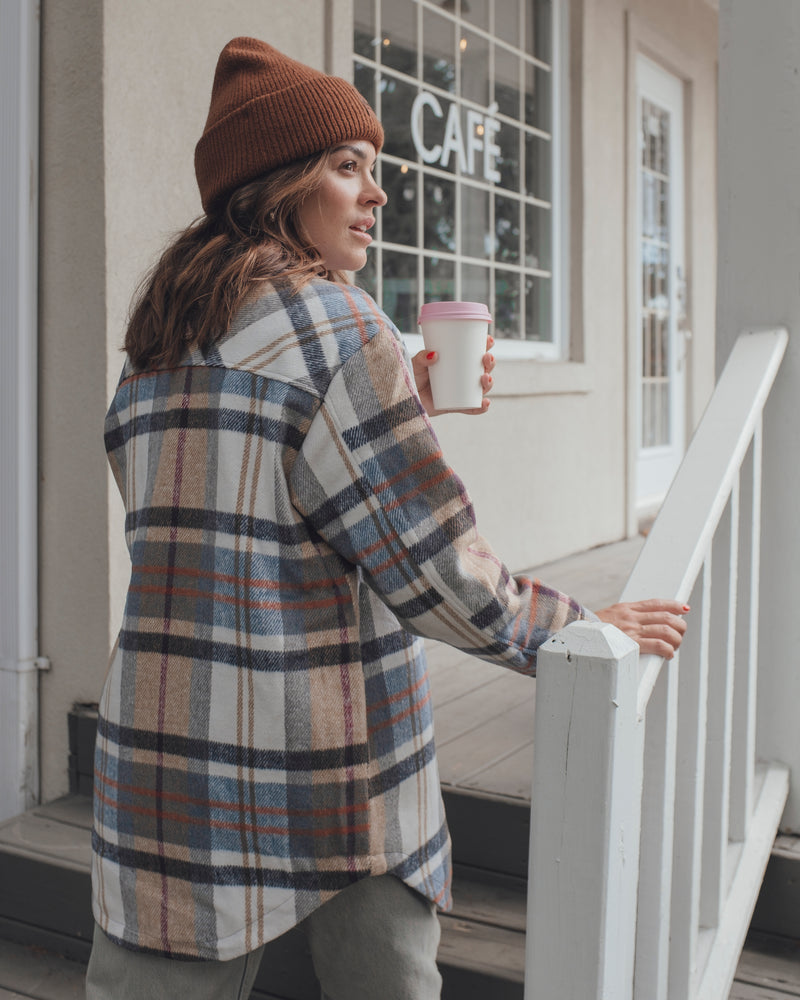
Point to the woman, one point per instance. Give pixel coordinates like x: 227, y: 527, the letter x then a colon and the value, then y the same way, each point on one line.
x: 265, y: 750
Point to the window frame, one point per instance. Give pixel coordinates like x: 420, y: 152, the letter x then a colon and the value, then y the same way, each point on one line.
x: 557, y: 348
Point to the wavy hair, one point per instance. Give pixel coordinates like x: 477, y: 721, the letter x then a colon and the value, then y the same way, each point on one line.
x: 210, y: 269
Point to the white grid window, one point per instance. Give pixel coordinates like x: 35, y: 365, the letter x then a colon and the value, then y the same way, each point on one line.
x: 468, y: 96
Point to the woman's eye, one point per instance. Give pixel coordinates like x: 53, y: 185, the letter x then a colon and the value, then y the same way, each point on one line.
x: 351, y: 165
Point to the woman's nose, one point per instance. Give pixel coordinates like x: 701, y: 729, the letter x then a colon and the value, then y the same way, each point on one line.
x: 375, y: 194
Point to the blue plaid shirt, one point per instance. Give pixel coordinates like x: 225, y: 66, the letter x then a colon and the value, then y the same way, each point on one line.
x: 266, y: 731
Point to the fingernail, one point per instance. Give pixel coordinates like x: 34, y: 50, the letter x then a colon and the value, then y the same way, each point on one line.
x: 491, y: 357
x: 491, y: 341
x: 686, y: 607
x: 430, y: 355
x: 491, y: 380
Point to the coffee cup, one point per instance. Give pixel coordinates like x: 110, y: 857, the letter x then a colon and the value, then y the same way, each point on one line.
x: 457, y: 331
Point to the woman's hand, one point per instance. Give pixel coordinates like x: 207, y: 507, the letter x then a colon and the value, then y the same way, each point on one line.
x: 656, y: 625
x: 422, y: 363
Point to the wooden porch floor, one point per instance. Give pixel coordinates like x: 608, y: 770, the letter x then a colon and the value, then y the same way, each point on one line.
x: 484, y: 713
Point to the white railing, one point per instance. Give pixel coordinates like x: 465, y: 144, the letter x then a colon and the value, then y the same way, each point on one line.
x: 651, y: 821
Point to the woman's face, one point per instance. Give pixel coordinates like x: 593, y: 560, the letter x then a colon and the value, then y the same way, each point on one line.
x: 338, y: 215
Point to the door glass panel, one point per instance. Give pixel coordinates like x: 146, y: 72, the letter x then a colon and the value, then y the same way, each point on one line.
x: 655, y: 256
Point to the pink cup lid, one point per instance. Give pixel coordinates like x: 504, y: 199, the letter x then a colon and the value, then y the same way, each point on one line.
x: 454, y: 310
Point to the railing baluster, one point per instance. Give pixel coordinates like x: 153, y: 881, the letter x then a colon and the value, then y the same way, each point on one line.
x: 744, y: 688
x: 716, y: 808
x: 689, y: 785
x: 655, y: 856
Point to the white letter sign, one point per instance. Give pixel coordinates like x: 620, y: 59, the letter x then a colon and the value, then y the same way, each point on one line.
x: 428, y: 155
x: 479, y: 135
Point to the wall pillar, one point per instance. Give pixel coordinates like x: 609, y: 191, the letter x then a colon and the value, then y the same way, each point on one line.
x: 759, y: 285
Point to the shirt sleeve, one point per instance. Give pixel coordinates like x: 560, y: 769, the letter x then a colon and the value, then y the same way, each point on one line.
x: 371, y: 480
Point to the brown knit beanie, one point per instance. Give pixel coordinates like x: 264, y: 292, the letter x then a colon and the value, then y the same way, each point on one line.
x: 268, y: 110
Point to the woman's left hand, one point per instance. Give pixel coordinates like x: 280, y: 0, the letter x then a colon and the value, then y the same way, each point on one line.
x: 425, y: 359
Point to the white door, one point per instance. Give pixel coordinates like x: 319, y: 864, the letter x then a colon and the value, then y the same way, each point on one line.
x: 661, y: 315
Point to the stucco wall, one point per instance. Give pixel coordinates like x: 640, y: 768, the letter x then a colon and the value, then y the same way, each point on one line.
x: 759, y: 207
x: 125, y: 91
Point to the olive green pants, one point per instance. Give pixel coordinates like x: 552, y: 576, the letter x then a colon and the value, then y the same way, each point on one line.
x: 376, y: 940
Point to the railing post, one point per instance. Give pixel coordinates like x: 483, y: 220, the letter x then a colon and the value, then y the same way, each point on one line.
x: 585, y: 817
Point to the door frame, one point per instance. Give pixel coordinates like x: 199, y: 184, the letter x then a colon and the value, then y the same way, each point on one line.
x: 657, y: 465
x: 644, y: 39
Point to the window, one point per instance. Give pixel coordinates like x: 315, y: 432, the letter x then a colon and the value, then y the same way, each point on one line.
x: 468, y: 96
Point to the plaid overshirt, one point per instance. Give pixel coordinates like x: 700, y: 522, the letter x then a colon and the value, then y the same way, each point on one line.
x: 265, y: 734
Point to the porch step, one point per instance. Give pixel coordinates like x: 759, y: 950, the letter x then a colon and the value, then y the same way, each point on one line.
x: 45, y: 866
x: 45, y: 902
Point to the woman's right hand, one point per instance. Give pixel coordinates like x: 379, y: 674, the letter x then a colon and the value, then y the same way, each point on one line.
x: 423, y: 361
x: 657, y: 626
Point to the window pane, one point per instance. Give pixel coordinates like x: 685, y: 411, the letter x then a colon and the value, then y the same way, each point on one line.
x: 538, y: 173
x: 399, y: 36
x: 507, y: 163
x: 439, y: 203
x: 538, y: 237
x: 507, y: 229
x: 396, y: 100
x: 507, y: 82
x: 475, y: 283
x: 655, y: 135
x: 507, y: 300
x: 439, y: 53
x: 400, y: 299
x: 476, y: 12
x: 440, y: 280
x: 538, y: 308
x: 538, y: 97
x: 655, y: 271
x: 506, y: 20
x: 399, y: 214
x: 476, y: 232
x: 364, y: 40
x: 366, y: 278
x: 655, y: 207
x: 538, y: 30
x: 474, y: 67
x: 364, y: 79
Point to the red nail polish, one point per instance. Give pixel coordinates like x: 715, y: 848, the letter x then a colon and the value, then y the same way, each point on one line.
x: 430, y: 355
x: 686, y: 607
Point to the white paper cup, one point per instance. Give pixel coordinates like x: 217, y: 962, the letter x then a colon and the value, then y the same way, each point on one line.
x: 457, y: 331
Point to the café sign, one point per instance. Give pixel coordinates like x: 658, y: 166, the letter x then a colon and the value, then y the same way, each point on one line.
x: 473, y: 145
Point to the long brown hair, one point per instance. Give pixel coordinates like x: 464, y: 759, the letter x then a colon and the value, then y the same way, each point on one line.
x: 209, y: 270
